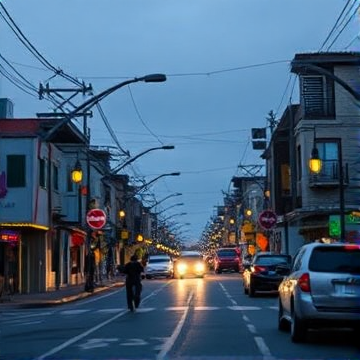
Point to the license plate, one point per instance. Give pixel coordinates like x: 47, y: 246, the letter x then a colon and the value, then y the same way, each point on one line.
x: 347, y: 289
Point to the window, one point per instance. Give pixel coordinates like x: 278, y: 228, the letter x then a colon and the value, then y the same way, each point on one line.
x: 70, y: 184
x: 317, y: 96
x: 15, y: 171
x: 42, y: 173
x: 329, y: 155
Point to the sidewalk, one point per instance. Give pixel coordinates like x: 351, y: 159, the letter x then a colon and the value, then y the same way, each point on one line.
x: 56, y: 297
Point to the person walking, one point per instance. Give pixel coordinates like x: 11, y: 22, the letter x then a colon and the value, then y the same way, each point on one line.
x: 133, y: 271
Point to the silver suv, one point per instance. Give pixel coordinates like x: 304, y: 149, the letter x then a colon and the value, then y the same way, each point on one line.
x: 322, y: 290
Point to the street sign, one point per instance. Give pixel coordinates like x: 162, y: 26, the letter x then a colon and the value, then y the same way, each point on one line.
x: 96, y: 218
x: 267, y: 219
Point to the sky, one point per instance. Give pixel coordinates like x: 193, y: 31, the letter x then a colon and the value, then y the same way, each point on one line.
x: 227, y: 64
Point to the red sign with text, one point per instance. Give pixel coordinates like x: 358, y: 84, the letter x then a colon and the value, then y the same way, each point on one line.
x: 96, y: 218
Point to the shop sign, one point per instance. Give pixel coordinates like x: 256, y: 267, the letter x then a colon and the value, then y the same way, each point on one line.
x: 9, y: 236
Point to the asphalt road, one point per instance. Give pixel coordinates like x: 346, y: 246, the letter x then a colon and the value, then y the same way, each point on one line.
x: 196, y: 319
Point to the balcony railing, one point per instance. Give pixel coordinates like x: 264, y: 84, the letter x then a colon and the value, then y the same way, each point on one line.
x: 329, y: 175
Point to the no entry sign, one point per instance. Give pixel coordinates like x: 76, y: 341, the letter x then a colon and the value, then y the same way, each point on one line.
x: 96, y: 218
x: 267, y: 219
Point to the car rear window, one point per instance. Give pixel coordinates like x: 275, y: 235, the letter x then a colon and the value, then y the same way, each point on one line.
x: 157, y: 260
x: 226, y: 253
x: 272, y: 259
x: 345, y: 259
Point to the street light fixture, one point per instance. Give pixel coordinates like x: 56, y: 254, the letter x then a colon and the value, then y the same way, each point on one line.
x: 128, y: 162
x: 315, y: 165
x: 173, y: 215
x: 145, y: 186
x: 96, y: 98
x: 165, y: 198
x: 168, y: 208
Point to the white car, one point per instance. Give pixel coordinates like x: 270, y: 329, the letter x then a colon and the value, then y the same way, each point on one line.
x: 159, y: 266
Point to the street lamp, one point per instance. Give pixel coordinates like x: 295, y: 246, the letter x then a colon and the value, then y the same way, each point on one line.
x: 315, y: 165
x: 96, y: 98
x: 168, y: 208
x: 126, y: 163
x: 76, y: 176
x: 145, y: 186
x: 173, y: 215
x: 165, y: 198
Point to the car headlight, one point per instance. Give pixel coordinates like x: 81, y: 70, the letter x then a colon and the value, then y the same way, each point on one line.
x: 182, y: 268
x: 199, y: 267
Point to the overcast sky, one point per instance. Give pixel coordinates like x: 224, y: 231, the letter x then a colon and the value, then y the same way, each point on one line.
x: 227, y: 66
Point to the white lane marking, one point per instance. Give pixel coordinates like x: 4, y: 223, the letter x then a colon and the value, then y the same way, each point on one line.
x: 144, y: 310
x: 176, y: 308
x: 251, y: 328
x: 73, y: 312
x: 115, y: 310
x: 171, y: 340
x: 274, y: 307
x: 97, y: 343
x: 265, y: 351
x: 206, y: 308
x: 244, y: 308
x: 134, y: 342
x: 28, y: 323
x: 73, y: 340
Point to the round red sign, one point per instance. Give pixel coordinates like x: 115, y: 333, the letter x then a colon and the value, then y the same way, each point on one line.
x: 96, y: 218
x: 267, y: 219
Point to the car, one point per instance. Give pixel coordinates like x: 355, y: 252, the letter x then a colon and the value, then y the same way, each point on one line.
x: 265, y: 272
x: 322, y: 289
x: 226, y: 259
x: 190, y: 263
x: 160, y: 265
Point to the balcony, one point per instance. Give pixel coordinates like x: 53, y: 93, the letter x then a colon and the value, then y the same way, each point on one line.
x: 329, y: 176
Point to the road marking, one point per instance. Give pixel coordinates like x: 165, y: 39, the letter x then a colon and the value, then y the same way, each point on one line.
x: 244, y: 308
x: 115, y: 310
x: 263, y: 347
x: 176, y: 308
x: 74, y: 312
x: 97, y: 343
x: 81, y: 336
x: 251, y: 328
x: 171, y: 340
x: 134, y: 342
x: 206, y: 308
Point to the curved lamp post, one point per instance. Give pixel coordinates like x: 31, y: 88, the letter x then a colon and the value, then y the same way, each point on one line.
x: 173, y: 215
x: 168, y: 208
x: 165, y: 198
x: 128, y: 162
x: 96, y: 98
x: 145, y: 186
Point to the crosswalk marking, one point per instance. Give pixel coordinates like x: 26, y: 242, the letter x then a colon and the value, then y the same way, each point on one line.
x: 24, y: 316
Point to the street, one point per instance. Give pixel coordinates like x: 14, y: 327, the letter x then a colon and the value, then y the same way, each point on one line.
x: 208, y: 318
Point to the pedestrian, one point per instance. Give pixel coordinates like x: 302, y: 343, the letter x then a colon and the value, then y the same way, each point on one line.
x: 133, y: 271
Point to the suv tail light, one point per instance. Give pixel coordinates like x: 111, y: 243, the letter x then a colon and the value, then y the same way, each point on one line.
x: 304, y: 282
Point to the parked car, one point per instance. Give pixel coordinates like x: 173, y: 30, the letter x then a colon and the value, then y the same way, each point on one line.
x: 159, y: 266
x: 265, y: 272
x: 322, y: 290
x: 226, y: 259
x: 190, y: 263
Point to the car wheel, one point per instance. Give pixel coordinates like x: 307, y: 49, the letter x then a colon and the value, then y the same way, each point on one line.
x: 283, y: 325
x: 298, y: 329
x: 251, y: 291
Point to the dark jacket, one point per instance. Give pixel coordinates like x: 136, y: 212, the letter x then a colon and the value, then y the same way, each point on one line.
x: 133, y: 270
